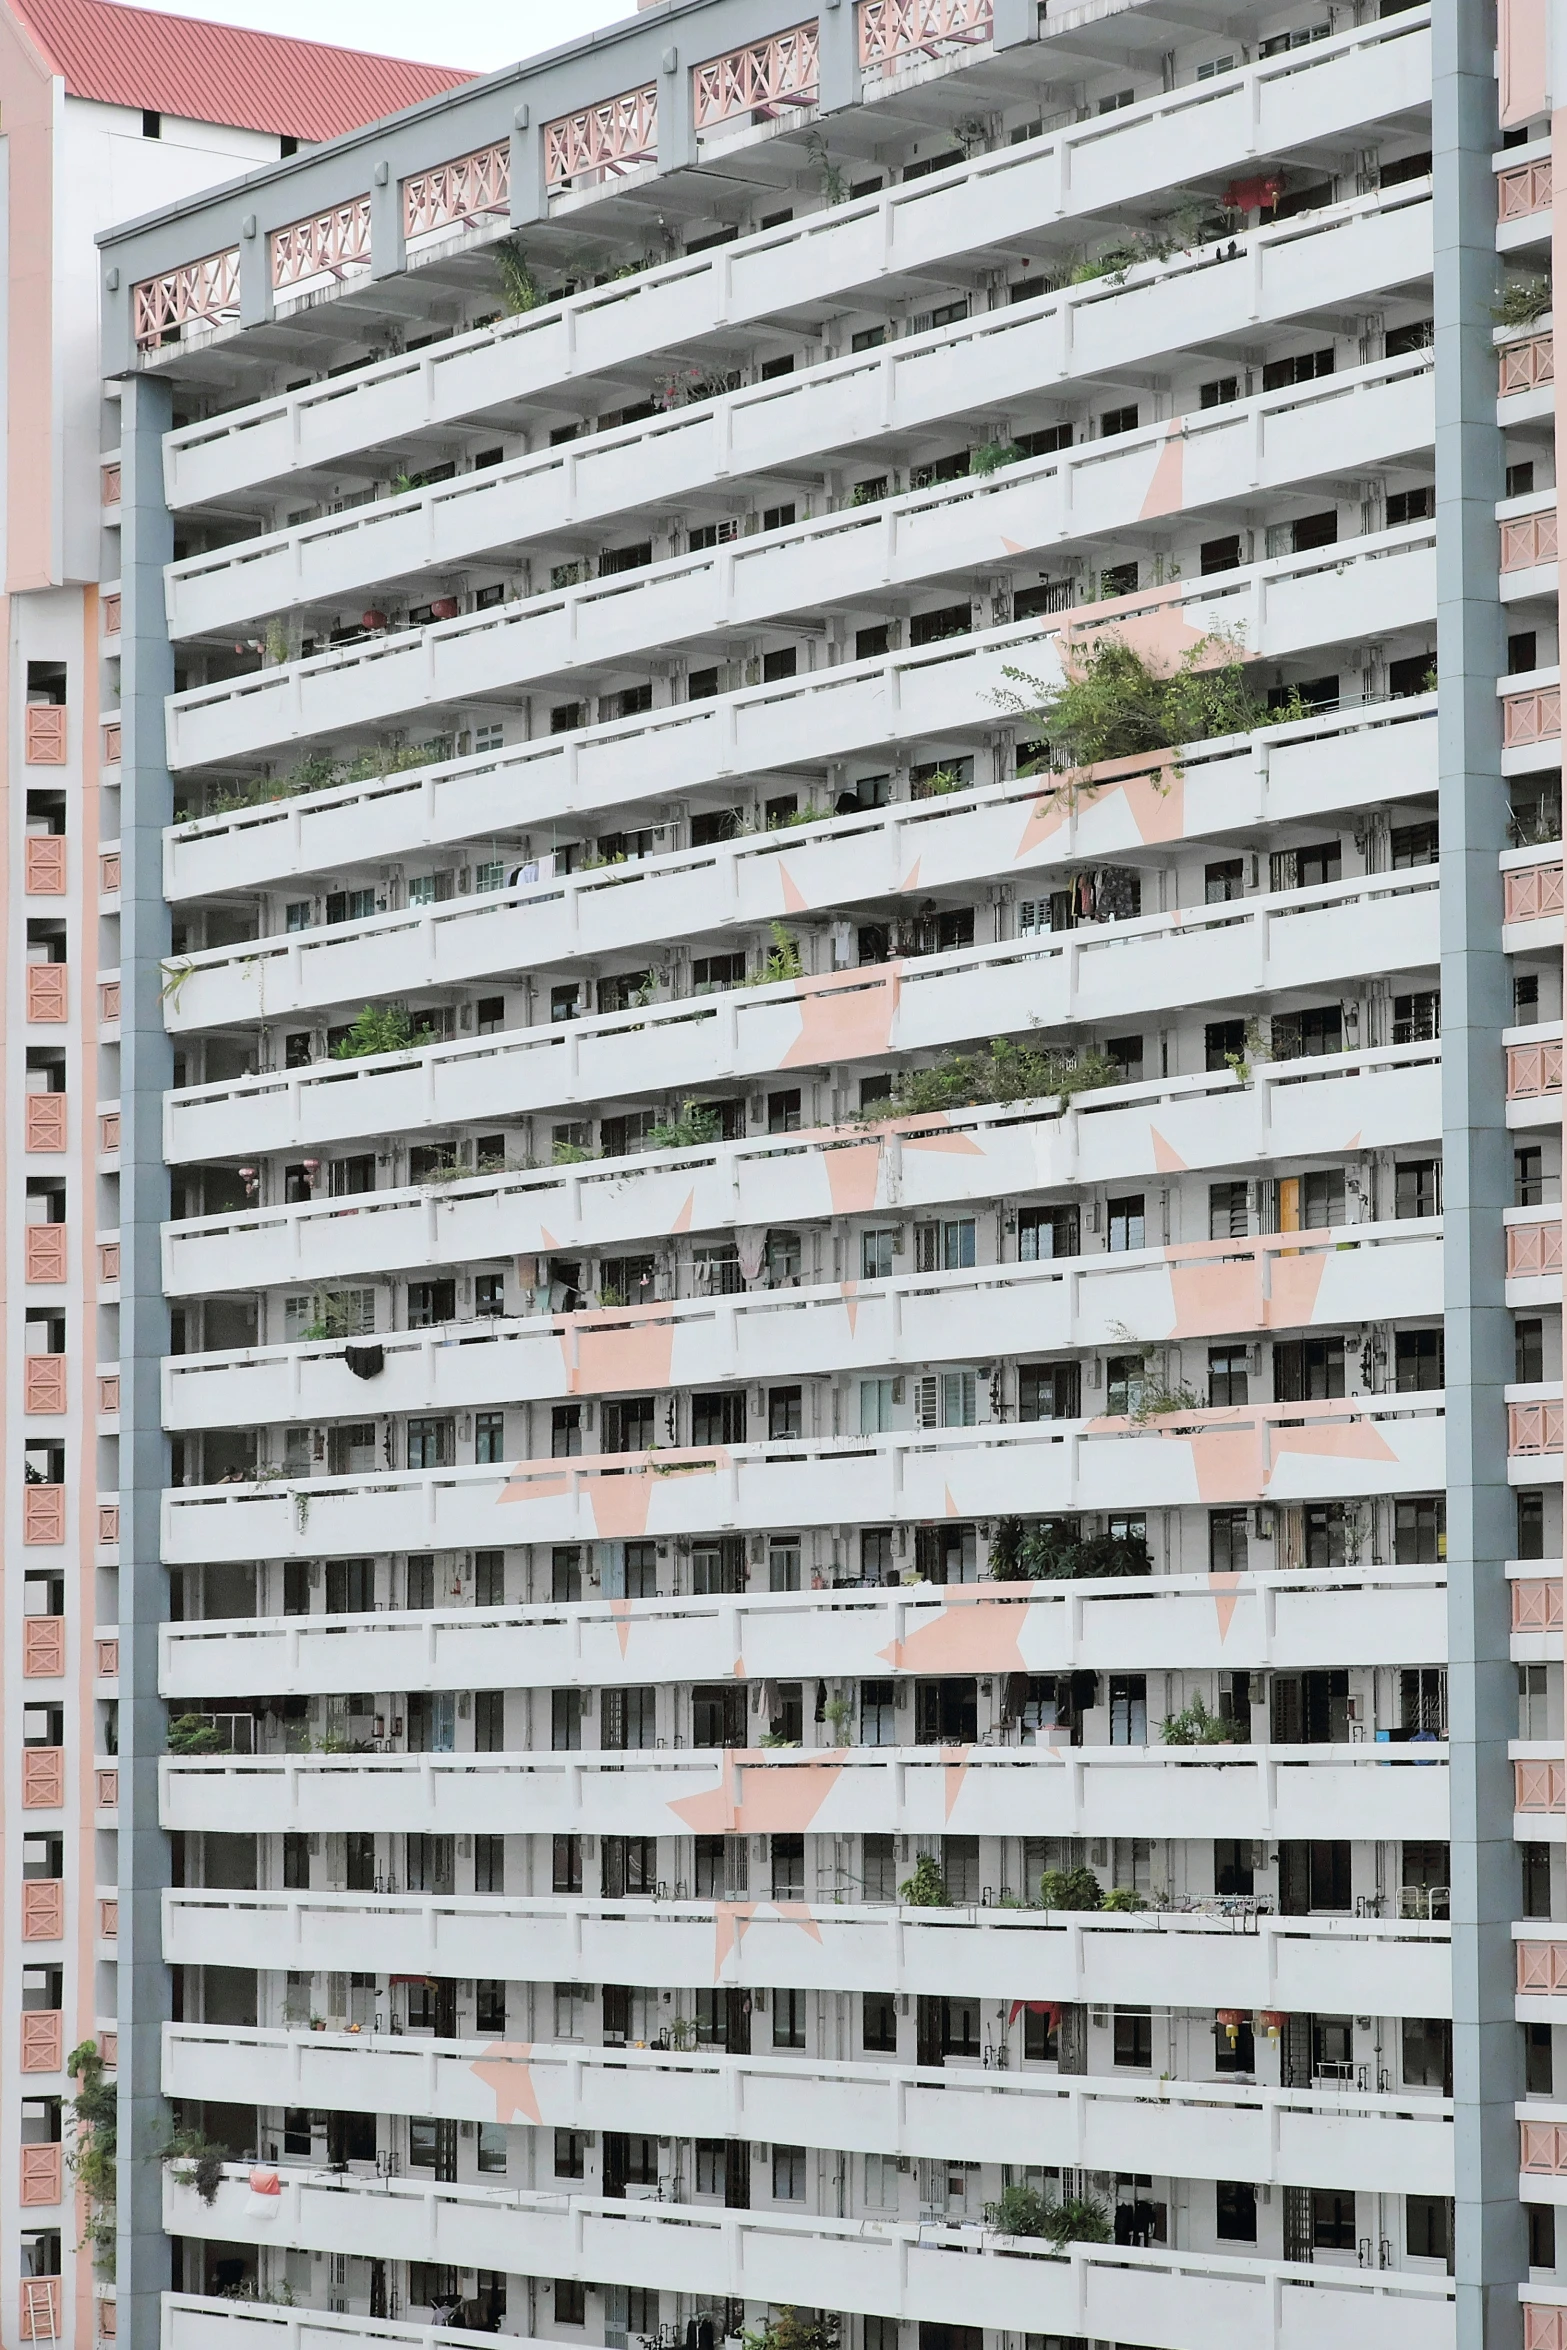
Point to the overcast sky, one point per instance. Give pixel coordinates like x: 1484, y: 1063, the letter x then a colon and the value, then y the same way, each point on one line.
x: 478, y: 33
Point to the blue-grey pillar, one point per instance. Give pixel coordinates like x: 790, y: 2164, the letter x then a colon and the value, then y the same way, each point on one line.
x: 147, y: 676
x: 388, y: 255
x: 676, y: 115
x: 839, y: 55
x: 1490, y: 2251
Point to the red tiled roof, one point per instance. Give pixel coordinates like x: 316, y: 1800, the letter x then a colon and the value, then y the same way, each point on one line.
x: 220, y: 74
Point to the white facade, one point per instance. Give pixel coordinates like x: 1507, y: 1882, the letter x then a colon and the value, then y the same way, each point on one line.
x: 617, y: 1751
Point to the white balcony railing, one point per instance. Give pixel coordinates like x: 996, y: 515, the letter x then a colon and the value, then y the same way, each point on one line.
x: 1379, y: 1615
x: 898, y: 2268
x: 1383, y: 1098
x: 1375, y: 750
x: 1334, y: 1279
x: 1314, y: 938
x: 1370, y: 2142
x: 1262, y: 1792
x: 1285, y: 1452
x: 756, y: 880
x: 1272, y: 440
x: 1277, y: 608
x: 1324, y: 1965
x: 1376, y: 68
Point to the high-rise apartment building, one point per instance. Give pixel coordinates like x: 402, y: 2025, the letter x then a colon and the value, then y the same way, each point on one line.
x: 828, y: 1568
x: 103, y: 111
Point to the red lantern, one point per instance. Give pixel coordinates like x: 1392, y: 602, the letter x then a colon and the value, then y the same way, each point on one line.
x: 444, y: 607
x: 1270, y: 2021
x: 1231, y: 2020
x: 372, y: 620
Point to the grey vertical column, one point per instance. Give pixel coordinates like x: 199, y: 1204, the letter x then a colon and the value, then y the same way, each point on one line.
x: 1490, y: 2254
x: 147, y: 676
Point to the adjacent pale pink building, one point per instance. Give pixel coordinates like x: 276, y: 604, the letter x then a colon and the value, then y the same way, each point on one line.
x: 105, y: 112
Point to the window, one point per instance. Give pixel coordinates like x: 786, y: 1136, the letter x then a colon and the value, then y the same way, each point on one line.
x: 877, y: 1250
x: 1542, y: 2235
x: 783, y: 1112
x: 492, y: 2148
x: 789, y: 2174
x: 489, y: 1436
x: 1128, y: 1710
x: 1535, y: 1871
x: 1223, y: 388
x: 1118, y: 420
x: 1308, y: 1370
x: 1417, y: 505
x: 1048, y: 1232
x: 1303, y: 368
x: 1417, y: 335
x: 718, y: 1419
x: 1220, y: 555
x: 1227, y: 1375
x: 785, y: 1413
x: 430, y: 1443
x: 628, y: 1424
x: 1420, y: 1532
x: 1133, y: 2037
x: 1227, y: 1552
x: 944, y: 1248
x: 629, y: 1865
x: 1119, y: 579
x: 629, y: 1719
x: 571, y: 2299
x: 566, y: 1862
x: 431, y: 1303
x: 1235, y: 2203
x: 1308, y: 1035
x: 1419, y: 1361
x: 788, y: 2016
x: 1332, y: 2220
x: 1528, y: 1177
x: 1428, y: 2053
x: 1114, y: 103
x: 1228, y: 1211
x: 1528, y: 1350
x: 1417, y: 1188
x: 788, y: 1853
x: 1520, y: 479
x: 1417, y: 1019
x: 1125, y: 1222
x: 878, y: 1713
x: 1049, y: 1391
x: 933, y: 628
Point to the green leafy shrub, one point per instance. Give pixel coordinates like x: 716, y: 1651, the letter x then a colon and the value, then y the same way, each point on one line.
x: 1521, y: 301
x: 1194, y: 1725
x: 927, y: 1887
x: 1116, y: 703
x: 990, y: 456
x: 796, y: 2329
x: 782, y: 960
x: 695, y: 1124
x: 519, y: 288
x: 1122, y: 1898
x: 382, y: 1028
x: 194, y: 1734
x: 199, y: 2162
x: 94, y: 2149
x: 1046, y: 1554
x: 1004, y: 1072
x: 1075, y: 1888
x: 1023, y: 2211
